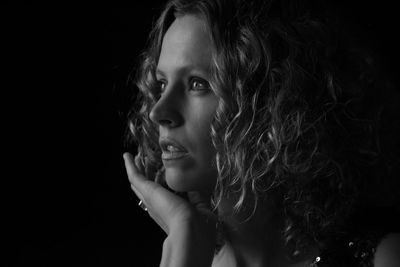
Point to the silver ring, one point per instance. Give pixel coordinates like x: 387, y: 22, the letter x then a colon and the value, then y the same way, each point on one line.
x: 142, y: 205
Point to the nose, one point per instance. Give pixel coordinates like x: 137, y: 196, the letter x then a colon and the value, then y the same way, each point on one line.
x: 166, y: 111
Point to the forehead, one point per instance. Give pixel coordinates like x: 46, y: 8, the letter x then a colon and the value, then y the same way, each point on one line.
x: 186, y: 44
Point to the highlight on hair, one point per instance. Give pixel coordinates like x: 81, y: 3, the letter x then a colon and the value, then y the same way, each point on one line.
x: 290, y: 121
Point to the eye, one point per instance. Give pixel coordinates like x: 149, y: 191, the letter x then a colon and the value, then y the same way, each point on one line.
x: 161, y: 84
x: 199, y: 84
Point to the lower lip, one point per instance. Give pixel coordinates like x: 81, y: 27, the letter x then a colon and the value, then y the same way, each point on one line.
x: 173, y: 155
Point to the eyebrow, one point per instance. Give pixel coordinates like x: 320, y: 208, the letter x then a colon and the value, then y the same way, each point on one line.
x: 160, y: 72
x: 186, y: 69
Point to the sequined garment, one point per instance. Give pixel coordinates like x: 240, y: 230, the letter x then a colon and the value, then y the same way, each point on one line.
x: 357, y: 246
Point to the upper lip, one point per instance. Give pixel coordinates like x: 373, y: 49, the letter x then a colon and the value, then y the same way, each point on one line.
x: 166, y: 141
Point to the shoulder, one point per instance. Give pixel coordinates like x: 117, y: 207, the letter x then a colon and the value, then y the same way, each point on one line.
x: 388, y: 251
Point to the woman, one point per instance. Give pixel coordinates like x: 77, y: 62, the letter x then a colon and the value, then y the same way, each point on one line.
x: 253, y: 143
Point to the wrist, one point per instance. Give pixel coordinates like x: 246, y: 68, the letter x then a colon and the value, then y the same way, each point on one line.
x: 189, y: 244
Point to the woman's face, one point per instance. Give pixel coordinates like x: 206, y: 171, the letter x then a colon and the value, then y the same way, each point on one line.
x: 186, y: 107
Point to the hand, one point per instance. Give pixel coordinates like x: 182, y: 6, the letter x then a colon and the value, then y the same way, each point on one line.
x: 190, y: 225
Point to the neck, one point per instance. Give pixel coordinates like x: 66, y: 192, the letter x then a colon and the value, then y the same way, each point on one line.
x: 255, y: 241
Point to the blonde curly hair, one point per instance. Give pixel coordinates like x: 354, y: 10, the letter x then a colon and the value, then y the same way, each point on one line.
x: 291, y: 120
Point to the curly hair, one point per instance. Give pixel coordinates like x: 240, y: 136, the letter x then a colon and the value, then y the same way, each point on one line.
x: 291, y: 121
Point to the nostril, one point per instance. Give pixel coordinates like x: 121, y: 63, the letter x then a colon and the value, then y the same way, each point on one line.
x: 165, y: 114
x: 165, y: 122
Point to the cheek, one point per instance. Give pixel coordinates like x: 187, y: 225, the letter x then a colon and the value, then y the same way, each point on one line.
x: 200, y: 135
x: 202, y: 173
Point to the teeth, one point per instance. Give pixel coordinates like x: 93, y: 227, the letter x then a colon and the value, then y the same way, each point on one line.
x: 172, y: 148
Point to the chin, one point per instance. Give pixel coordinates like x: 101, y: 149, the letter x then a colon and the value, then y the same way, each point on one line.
x: 179, y: 182
x: 185, y: 182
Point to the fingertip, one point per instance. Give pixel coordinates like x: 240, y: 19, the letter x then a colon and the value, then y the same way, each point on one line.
x: 127, y: 155
x: 129, y: 163
x: 137, y: 159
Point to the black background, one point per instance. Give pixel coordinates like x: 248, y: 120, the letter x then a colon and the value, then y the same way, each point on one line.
x: 67, y: 200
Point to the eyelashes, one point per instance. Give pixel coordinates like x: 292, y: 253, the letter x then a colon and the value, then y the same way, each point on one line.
x: 199, y: 84
x: 161, y: 84
x: 196, y: 84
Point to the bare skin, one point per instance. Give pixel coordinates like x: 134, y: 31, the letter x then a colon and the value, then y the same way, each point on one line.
x: 185, y: 111
x: 190, y: 228
x: 388, y: 251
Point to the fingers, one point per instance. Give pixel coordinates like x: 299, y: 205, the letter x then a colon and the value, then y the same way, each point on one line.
x: 135, y: 177
x: 137, y: 193
x: 139, y: 183
x: 150, y: 170
x: 143, y: 186
x: 159, y: 201
x: 134, y: 174
x: 132, y: 169
x: 166, y: 208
